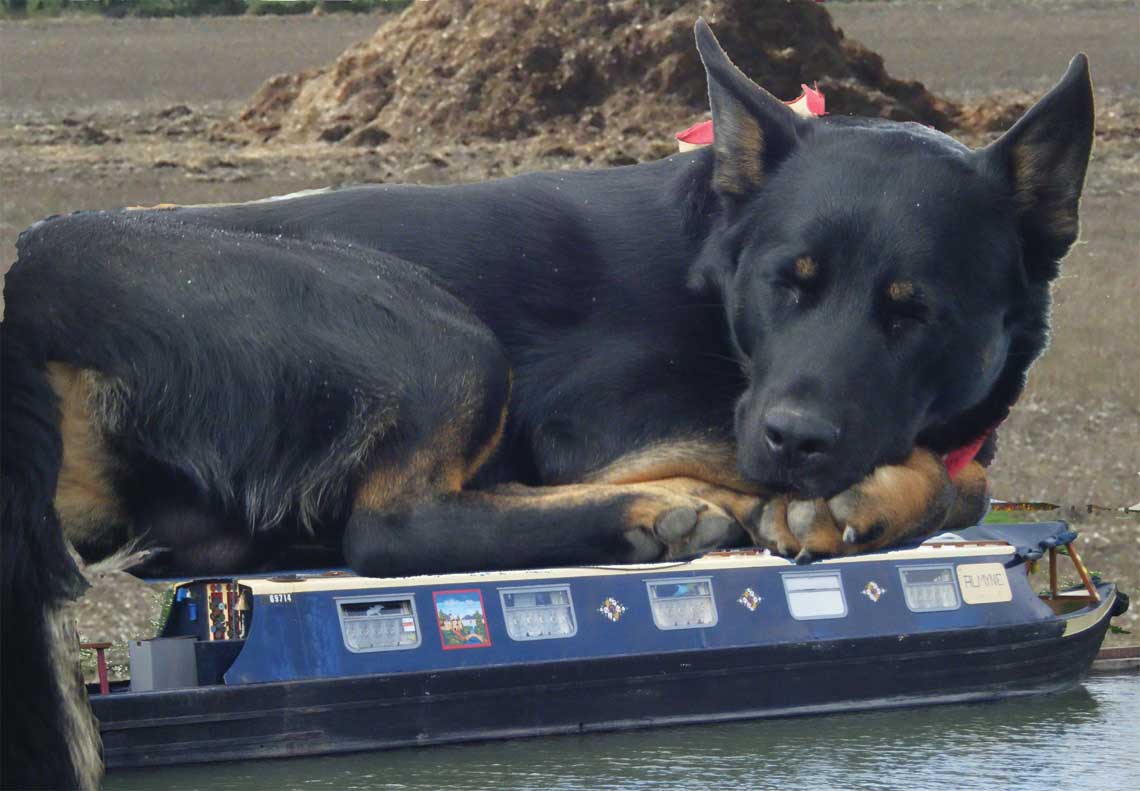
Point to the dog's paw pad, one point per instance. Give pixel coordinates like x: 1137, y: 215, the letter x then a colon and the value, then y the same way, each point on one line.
x: 801, y: 515
x: 675, y: 524
x: 713, y: 530
x: 643, y: 547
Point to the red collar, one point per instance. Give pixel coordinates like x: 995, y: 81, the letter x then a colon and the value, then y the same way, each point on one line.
x: 958, y: 458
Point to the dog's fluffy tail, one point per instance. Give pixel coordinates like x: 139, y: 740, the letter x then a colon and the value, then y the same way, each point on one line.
x: 50, y: 738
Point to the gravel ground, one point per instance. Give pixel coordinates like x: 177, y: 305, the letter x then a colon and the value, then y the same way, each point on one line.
x: 98, y: 113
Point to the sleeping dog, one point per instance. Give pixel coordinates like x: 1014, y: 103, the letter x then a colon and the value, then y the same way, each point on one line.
x: 771, y: 341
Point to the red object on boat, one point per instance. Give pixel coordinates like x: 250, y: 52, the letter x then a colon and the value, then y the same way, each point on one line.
x: 812, y: 99
x: 699, y: 134
x: 809, y: 103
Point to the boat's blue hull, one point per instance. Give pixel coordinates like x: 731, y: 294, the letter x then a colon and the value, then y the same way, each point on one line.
x: 320, y: 716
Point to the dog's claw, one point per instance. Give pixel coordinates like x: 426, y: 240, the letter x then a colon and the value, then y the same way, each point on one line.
x: 849, y: 535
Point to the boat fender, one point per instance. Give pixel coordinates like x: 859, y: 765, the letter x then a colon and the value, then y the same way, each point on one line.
x: 1120, y: 606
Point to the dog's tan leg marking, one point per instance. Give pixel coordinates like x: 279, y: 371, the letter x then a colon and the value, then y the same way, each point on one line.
x: 712, y: 462
x: 84, y: 496
x: 480, y: 457
x: 893, y: 504
x: 659, y: 519
x: 705, y: 469
x: 971, y: 496
x: 430, y: 471
x: 662, y: 501
x: 441, y: 465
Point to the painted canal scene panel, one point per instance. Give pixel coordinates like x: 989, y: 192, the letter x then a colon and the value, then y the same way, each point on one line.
x: 461, y: 618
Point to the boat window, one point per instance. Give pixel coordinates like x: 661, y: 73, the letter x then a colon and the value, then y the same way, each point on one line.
x: 379, y: 623
x: 682, y: 603
x: 929, y: 588
x: 538, y: 613
x: 815, y: 595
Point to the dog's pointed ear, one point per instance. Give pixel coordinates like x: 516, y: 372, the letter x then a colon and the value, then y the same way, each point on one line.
x: 752, y: 129
x: 1044, y: 157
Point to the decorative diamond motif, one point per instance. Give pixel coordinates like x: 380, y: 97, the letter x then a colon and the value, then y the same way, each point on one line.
x: 750, y: 600
x: 612, y: 609
x: 874, y: 591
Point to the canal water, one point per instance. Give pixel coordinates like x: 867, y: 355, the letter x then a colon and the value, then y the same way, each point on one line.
x: 1086, y: 738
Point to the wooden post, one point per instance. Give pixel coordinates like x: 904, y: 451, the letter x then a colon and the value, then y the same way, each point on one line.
x: 1052, y: 572
x: 1093, y: 594
x: 100, y: 664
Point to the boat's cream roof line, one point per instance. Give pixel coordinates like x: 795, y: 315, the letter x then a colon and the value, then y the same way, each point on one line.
x: 710, y: 562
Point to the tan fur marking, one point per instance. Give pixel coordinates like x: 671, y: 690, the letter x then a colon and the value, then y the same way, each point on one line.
x: 772, y: 532
x: 902, y: 495
x: 739, y: 167
x: 687, y: 490
x: 708, y: 461
x: 1030, y: 172
x: 823, y: 536
x: 428, y: 471
x: 492, y: 443
x: 900, y: 290
x: 648, y: 500
x: 84, y: 496
x: 971, y: 493
x: 439, y: 466
x: 488, y: 448
x: 806, y: 268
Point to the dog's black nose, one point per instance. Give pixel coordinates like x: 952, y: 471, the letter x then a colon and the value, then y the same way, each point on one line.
x: 795, y: 437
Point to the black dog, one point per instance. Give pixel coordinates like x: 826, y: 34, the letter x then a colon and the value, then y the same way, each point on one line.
x: 771, y: 341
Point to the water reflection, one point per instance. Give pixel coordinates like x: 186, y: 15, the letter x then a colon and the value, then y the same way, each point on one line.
x: 1083, y: 738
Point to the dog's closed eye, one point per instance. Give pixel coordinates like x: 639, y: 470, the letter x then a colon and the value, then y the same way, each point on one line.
x: 902, y: 316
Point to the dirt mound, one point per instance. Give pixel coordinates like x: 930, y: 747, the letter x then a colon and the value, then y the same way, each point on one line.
x: 506, y: 69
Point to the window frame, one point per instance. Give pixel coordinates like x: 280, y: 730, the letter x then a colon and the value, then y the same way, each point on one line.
x: 649, y: 583
x: 835, y: 574
x: 376, y: 599
x: 948, y: 567
x: 560, y: 586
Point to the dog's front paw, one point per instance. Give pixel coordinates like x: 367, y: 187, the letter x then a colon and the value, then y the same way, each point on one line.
x: 665, y: 523
x: 800, y: 529
x: 894, y: 504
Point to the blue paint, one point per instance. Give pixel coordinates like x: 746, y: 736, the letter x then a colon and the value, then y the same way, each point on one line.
x: 301, y: 638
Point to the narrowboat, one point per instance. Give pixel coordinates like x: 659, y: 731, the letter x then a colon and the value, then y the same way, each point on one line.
x: 327, y: 662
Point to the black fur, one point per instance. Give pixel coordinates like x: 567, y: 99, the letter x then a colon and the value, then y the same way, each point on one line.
x: 38, y: 576
x: 258, y: 361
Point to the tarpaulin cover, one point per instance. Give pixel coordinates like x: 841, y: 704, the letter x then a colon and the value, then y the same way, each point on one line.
x: 1030, y: 540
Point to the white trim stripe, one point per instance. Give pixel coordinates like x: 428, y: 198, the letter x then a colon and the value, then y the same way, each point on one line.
x: 728, y: 560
